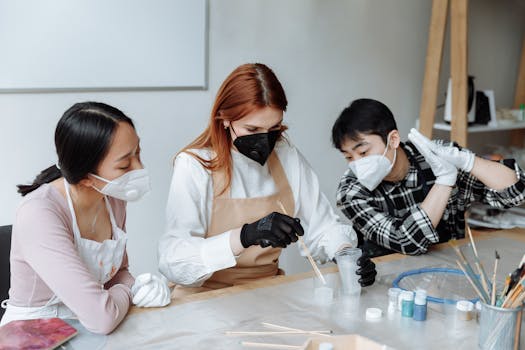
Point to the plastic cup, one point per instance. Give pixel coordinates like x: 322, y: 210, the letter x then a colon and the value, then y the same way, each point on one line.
x: 347, y: 264
x: 324, y: 294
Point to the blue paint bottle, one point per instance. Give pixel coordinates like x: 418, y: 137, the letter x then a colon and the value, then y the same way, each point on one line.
x: 407, y: 304
x: 420, y: 305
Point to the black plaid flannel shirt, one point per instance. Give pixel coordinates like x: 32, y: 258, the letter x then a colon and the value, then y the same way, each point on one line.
x: 391, y: 217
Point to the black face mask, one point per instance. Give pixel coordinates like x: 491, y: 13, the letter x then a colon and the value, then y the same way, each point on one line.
x: 257, y: 147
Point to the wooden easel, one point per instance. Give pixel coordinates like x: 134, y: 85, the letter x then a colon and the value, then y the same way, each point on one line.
x: 458, y: 71
x: 517, y: 137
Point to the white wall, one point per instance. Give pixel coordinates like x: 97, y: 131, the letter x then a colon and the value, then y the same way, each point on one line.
x: 326, y: 54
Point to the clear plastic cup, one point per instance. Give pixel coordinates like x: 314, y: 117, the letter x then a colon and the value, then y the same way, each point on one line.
x: 324, y: 294
x: 347, y: 264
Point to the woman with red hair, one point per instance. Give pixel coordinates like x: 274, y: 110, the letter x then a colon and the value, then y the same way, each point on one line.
x: 233, y: 189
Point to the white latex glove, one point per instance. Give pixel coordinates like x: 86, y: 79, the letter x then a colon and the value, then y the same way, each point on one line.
x: 461, y: 159
x: 150, y: 291
x: 445, y: 172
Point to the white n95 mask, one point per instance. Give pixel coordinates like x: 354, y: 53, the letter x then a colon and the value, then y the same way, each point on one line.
x: 129, y: 187
x: 371, y: 170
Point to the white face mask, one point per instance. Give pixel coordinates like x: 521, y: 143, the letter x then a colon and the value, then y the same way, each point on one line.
x: 371, y: 170
x: 129, y: 187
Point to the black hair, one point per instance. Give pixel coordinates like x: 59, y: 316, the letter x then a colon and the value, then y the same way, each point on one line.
x: 82, y: 139
x: 363, y: 116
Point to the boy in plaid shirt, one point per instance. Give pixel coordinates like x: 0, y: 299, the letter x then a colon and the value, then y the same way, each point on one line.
x: 403, y: 197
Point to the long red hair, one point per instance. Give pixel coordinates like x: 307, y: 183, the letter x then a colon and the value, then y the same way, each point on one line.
x: 249, y: 87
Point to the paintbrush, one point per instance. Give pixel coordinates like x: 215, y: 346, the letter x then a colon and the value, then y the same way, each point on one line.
x: 469, y: 278
x: 513, y: 294
x: 460, y: 254
x: 468, y: 268
x: 522, y: 261
x: 516, y: 296
x: 518, y: 301
x: 493, y: 301
x: 504, y: 291
x: 515, y: 276
x: 477, y: 262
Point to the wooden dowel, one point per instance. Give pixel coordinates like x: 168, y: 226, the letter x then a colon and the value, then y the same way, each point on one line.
x: 270, y: 346
x: 306, y: 250
x: 275, y: 326
x: 272, y: 333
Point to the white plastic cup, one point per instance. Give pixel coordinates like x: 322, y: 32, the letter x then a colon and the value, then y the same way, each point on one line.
x: 346, y: 260
x: 324, y: 293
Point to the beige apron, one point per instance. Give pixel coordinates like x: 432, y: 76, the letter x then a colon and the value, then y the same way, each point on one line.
x: 229, y: 213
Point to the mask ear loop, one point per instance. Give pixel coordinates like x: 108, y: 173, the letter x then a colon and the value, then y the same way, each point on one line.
x: 231, y: 127
x: 386, y: 149
x: 387, y: 143
x: 101, y: 179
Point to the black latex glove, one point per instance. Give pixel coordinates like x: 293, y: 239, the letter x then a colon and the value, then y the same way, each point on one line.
x: 275, y: 229
x: 367, y: 271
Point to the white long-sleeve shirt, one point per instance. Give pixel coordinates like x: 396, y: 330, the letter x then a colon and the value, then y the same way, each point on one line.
x: 187, y: 258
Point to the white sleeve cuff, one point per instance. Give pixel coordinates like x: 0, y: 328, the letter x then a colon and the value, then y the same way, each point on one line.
x: 216, y: 252
x: 344, y: 234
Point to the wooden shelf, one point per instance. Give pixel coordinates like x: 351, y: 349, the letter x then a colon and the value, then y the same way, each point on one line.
x: 483, y: 128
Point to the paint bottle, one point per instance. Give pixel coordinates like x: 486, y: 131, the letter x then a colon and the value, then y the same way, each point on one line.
x: 393, y: 296
x: 407, y: 306
x: 464, y: 310
x: 420, y: 305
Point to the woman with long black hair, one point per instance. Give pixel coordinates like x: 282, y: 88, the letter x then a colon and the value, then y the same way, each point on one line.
x: 68, y: 251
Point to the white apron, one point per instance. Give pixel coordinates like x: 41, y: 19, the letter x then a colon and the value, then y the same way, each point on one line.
x: 103, y: 260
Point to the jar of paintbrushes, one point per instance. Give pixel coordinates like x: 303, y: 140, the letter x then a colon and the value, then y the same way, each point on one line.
x: 501, y: 311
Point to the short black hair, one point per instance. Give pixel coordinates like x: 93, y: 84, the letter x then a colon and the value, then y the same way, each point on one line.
x: 363, y: 116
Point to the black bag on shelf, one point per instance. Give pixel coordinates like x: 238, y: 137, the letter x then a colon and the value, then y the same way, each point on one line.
x: 482, y: 108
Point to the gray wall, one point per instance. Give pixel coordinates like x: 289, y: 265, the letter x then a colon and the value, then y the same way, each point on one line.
x: 326, y: 54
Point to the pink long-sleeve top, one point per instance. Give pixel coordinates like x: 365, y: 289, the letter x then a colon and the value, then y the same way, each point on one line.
x: 45, y: 262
